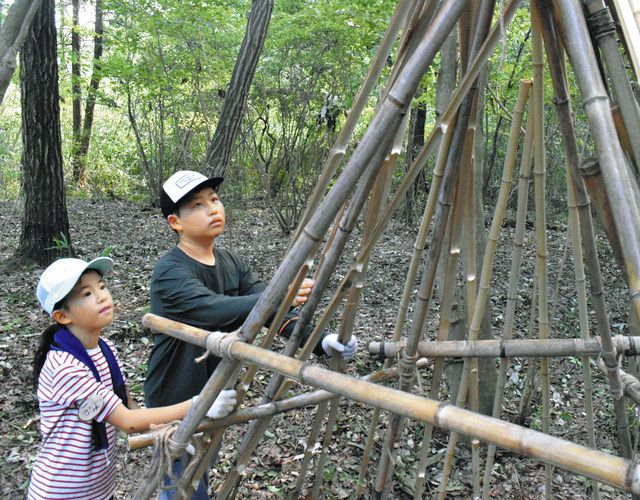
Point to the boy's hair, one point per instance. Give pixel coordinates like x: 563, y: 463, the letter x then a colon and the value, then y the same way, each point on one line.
x: 178, y: 189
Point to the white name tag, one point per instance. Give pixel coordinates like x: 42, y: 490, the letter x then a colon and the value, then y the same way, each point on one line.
x: 90, y: 407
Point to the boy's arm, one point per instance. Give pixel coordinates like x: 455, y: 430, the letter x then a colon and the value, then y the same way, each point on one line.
x: 186, y: 299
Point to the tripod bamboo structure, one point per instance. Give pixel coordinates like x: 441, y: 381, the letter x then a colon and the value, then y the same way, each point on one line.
x: 446, y: 241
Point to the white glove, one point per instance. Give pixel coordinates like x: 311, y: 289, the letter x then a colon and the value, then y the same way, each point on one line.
x: 223, y: 405
x: 330, y: 344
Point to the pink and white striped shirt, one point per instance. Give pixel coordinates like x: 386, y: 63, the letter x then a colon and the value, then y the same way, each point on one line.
x: 67, y: 466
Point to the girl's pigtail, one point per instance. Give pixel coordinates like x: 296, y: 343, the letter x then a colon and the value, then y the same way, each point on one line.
x: 46, y: 339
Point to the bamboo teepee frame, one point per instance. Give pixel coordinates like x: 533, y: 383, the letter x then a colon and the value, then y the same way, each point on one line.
x: 448, y: 225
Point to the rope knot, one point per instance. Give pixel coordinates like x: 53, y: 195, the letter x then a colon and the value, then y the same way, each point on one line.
x: 219, y: 344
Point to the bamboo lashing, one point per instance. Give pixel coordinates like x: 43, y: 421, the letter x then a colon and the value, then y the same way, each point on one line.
x: 616, y: 471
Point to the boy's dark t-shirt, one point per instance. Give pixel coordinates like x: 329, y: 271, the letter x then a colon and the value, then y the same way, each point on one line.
x: 215, y: 298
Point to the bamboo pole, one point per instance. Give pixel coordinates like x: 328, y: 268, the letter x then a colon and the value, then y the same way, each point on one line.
x: 616, y: 471
x: 354, y: 282
x: 446, y: 309
x: 603, y: 29
x: 631, y: 32
x: 578, y: 47
x: 215, y: 439
x: 592, y: 177
x: 618, y: 183
x: 581, y: 284
x: 445, y: 127
x: 424, y: 294
x: 277, y: 388
x: 338, y: 150
x: 137, y: 441
x: 487, y: 264
x: 504, y: 349
x: 512, y: 294
x: 539, y: 176
x: 418, y: 250
x: 387, y: 457
x: 377, y: 201
x: 565, y: 116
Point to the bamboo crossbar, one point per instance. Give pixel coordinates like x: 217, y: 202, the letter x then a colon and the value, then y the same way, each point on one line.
x: 615, y: 471
x: 629, y: 346
x: 137, y: 441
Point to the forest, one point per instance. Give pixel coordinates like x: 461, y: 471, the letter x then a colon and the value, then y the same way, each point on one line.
x: 103, y: 100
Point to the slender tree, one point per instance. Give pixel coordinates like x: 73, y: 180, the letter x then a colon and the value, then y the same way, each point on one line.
x: 45, y: 220
x: 82, y: 129
x: 219, y: 150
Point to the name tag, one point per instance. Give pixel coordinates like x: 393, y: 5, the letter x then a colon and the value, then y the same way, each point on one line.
x: 90, y: 407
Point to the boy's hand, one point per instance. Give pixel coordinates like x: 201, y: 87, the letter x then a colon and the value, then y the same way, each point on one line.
x: 330, y: 344
x: 223, y: 405
x: 304, y: 291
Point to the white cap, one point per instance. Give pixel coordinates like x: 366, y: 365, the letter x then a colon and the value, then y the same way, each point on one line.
x: 181, y: 184
x: 59, y: 278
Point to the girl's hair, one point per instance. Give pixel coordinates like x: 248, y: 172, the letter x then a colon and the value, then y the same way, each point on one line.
x: 46, y: 339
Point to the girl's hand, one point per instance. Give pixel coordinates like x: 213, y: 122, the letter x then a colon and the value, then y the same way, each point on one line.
x: 304, y: 291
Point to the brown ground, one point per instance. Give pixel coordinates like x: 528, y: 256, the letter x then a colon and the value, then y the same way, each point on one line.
x: 137, y: 236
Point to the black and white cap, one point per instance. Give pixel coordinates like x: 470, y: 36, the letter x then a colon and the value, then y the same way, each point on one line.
x: 180, y: 184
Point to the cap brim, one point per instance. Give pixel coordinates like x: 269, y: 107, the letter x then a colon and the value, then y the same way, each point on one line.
x: 101, y: 264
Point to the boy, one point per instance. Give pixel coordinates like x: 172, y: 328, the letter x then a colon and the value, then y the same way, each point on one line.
x: 203, y: 286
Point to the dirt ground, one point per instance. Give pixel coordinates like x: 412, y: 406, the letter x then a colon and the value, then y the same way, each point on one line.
x: 135, y: 235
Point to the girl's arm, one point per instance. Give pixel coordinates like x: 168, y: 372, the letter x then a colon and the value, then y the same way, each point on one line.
x: 140, y: 419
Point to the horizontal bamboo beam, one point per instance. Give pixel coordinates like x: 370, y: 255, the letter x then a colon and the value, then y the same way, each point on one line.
x: 616, y: 471
x: 137, y: 441
x: 629, y: 346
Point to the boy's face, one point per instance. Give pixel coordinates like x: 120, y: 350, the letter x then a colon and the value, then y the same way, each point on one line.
x: 89, y: 306
x: 201, y: 217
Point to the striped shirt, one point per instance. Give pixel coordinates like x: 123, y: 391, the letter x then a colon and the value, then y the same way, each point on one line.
x: 67, y: 466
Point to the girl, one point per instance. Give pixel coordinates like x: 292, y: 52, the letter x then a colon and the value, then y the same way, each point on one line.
x: 81, y: 390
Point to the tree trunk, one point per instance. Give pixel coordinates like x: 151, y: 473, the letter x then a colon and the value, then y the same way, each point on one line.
x: 84, y: 136
x: 219, y: 150
x: 12, y: 34
x: 76, y: 91
x: 415, y: 142
x: 45, y: 226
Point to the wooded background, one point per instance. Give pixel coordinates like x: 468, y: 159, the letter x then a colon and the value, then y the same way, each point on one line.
x: 251, y: 90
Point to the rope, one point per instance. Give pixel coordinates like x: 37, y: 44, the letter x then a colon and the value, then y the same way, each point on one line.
x: 219, y: 344
x: 166, y: 446
x: 162, y: 435
x: 601, y: 23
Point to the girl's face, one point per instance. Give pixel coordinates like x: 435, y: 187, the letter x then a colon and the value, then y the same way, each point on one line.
x: 89, y: 306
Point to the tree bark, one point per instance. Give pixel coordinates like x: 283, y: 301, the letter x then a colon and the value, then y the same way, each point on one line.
x: 12, y: 34
x: 83, y: 138
x: 45, y: 225
x: 415, y: 141
x: 221, y: 146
